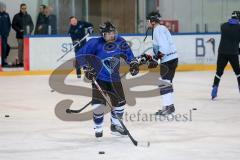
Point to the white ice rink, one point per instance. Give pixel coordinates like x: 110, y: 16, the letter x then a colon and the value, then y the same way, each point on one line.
x: 34, y: 132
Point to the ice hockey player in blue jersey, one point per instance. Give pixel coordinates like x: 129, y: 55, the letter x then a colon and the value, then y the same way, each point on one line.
x: 100, y: 58
x: 165, y: 50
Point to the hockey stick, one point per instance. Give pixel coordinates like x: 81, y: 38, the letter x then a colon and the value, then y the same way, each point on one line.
x: 136, y: 143
x: 73, y: 47
x: 146, y: 34
x: 69, y: 111
x: 78, y: 110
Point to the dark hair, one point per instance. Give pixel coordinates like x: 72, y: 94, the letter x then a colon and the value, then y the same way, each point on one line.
x: 44, y: 6
x: 72, y: 17
x: 107, y: 27
x: 23, y: 4
x: 154, y: 16
x: 236, y: 15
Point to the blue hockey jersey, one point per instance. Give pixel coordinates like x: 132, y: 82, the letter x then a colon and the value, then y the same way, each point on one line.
x: 105, y: 57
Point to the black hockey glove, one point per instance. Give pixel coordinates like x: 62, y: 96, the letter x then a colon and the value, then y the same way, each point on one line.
x: 159, y: 55
x: 90, y: 73
x: 152, y: 63
x: 134, y: 67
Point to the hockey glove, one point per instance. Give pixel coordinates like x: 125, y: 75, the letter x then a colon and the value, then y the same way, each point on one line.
x: 90, y: 73
x: 159, y: 55
x: 152, y: 63
x: 144, y: 58
x: 134, y: 67
x: 90, y: 30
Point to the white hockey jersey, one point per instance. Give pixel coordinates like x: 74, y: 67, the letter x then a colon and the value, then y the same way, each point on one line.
x: 163, y: 42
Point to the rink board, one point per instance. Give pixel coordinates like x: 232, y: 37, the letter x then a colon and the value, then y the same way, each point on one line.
x: 192, y: 49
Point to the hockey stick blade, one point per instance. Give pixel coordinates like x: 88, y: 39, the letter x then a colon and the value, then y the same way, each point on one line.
x: 69, y: 111
x: 143, y: 144
x: 135, y: 142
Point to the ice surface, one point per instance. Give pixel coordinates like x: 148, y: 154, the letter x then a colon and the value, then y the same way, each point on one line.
x: 33, y: 131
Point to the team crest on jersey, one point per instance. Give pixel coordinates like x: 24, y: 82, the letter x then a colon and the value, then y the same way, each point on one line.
x: 110, y: 46
x: 110, y: 63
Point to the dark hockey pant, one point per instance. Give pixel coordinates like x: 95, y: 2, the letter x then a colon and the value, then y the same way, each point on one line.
x: 221, y: 64
x: 167, y: 72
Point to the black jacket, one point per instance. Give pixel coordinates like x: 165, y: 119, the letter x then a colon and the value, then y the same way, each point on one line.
x: 41, y: 25
x: 78, y: 32
x: 20, y: 22
x: 51, y: 20
x: 230, y: 38
x: 5, y: 24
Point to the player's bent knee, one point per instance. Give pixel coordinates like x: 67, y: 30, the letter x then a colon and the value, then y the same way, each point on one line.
x: 166, y: 90
x: 98, y: 108
x: 98, y: 101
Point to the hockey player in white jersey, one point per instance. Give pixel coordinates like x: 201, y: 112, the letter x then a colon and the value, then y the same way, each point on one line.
x: 165, y: 50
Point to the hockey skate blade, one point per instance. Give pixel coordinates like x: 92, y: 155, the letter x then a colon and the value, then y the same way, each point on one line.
x: 143, y: 144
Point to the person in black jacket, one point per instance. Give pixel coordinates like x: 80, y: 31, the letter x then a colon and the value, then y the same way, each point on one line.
x: 22, y: 24
x: 228, y: 50
x: 77, y: 32
x: 41, y: 27
x: 50, y: 20
x: 5, y: 27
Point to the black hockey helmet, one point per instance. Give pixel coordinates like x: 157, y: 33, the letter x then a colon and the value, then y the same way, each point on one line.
x: 107, y: 27
x: 154, y: 16
x: 236, y: 15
